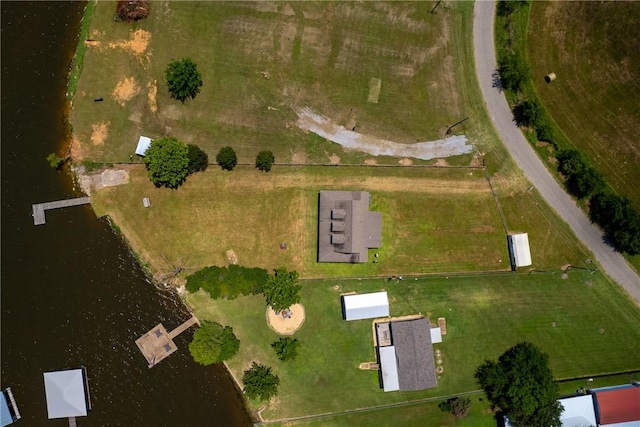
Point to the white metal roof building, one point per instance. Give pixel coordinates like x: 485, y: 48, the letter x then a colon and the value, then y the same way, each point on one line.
x: 519, y: 250
x: 365, y: 306
x: 389, y: 368
x: 578, y: 411
x: 66, y: 394
x: 143, y: 144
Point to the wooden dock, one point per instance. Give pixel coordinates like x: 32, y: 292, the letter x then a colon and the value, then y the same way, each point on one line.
x: 157, y: 344
x: 40, y: 208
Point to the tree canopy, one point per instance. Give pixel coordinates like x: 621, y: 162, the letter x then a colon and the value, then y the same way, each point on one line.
x: 228, y: 282
x: 259, y: 382
x: 213, y: 343
x: 132, y: 10
x: 618, y: 218
x: 265, y: 160
x: 167, y: 162
x: 183, y: 79
x: 281, y: 289
x: 521, y: 384
x: 198, y: 159
x: 227, y: 158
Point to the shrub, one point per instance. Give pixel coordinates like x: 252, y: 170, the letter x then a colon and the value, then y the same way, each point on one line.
x: 458, y: 406
x: 265, y: 160
x: 619, y: 220
x: 198, y: 159
x: 227, y: 158
x: 228, y: 282
x: 286, y: 348
x: 514, y: 72
x: 527, y: 113
x: 54, y: 161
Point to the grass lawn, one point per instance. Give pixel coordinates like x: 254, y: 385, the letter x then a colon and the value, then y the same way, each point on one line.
x: 318, y: 55
x: 434, y: 219
x: 407, y: 415
x: 595, y: 97
x: 486, y: 314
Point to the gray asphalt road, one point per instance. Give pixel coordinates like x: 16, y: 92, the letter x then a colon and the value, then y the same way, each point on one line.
x: 526, y: 158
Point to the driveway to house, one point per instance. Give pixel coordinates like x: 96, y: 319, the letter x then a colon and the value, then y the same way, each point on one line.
x: 611, y: 262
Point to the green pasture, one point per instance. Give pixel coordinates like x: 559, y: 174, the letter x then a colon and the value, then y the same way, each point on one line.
x: 584, y: 322
x: 405, y: 415
x: 592, y: 48
x: 318, y: 55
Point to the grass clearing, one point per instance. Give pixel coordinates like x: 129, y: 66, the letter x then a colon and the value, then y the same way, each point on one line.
x: 595, y: 97
x: 575, y: 320
x: 259, y: 61
x: 252, y: 213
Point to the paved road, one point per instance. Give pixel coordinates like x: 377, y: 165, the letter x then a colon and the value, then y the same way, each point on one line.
x: 527, y: 159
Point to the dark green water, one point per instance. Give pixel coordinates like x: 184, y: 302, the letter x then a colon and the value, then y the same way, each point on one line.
x: 72, y: 294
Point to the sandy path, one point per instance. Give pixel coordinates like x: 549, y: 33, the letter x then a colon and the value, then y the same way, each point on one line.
x: 313, y: 122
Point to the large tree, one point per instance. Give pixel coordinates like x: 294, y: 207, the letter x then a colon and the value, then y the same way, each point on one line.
x: 183, y: 79
x: 227, y: 158
x: 281, y: 289
x: 213, y: 343
x: 259, y: 382
x: 286, y: 348
x: 167, y: 162
x: 521, y: 385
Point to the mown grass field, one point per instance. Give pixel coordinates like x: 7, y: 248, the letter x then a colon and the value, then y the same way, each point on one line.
x: 593, y: 49
x: 595, y: 332
x: 318, y: 55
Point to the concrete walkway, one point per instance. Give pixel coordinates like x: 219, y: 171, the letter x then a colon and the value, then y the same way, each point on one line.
x: 611, y: 262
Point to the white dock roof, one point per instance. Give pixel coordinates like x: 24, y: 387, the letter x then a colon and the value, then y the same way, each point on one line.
x: 65, y: 393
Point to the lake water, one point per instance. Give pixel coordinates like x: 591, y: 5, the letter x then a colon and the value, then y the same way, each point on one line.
x: 72, y: 293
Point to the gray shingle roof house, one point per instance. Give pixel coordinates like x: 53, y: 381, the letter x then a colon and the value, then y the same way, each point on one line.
x: 413, y: 367
x: 346, y: 227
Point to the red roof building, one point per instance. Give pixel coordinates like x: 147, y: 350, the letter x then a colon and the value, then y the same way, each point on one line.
x: 620, y: 405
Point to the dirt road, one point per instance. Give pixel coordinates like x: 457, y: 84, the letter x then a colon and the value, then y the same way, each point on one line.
x: 526, y: 158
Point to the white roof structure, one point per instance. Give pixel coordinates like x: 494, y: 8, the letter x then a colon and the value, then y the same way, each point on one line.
x: 519, y: 249
x: 436, y: 335
x: 65, y: 393
x: 365, y: 306
x: 389, y: 368
x: 578, y: 411
x: 143, y: 144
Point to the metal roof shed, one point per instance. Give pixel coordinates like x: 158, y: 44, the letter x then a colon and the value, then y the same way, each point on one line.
x: 519, y: 250
x: 143, y: 144
x: 66, y: 394
x: 365, y: 306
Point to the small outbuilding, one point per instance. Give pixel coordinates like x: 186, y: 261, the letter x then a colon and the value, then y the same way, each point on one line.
x: 365, y: 306
x: 519, y: 252
x: 67, y: 393
x: 143, y: 144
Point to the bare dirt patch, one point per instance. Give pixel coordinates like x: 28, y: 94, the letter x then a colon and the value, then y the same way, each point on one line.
x: 137, y: 43
x: 441, y: 163
x: 334, y: 159
x: 370, y: 162
x: 299, y: 158
x: 286, y: 326
x: 406, y: 161
x: 77, y: 151
x: 100, y: 132
x: 125, y: 90
x: 152, y: 92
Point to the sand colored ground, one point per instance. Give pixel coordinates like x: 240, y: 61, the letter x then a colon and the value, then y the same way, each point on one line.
x: 125, y: 90
x: 286, y: 326
x: 152, y: 92
x: 100, y: 133
x: 137, y: 43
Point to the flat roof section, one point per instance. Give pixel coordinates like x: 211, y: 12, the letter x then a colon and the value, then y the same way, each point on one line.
x: 519, y: 250
x: 389, y: 368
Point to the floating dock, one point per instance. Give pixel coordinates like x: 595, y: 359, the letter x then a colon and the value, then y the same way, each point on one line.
x: 40, y: 208
x: 157, y: 344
